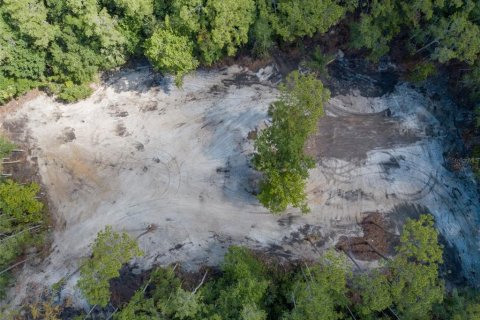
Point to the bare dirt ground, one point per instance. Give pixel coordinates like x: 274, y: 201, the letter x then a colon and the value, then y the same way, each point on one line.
x: 170, y: 167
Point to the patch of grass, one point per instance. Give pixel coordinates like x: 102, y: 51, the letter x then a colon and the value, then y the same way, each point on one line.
x: 6, y: 147
x: 57, y: 286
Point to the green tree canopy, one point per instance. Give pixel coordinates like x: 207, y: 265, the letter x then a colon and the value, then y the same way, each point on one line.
x: 374, y: 290
x: 279, y: 153
x: 320, y: 290
x: 29, y: 18
x: 241, y: 290
x: 170, y: 52
x: 415, y: 284
x: 20, y: 220
x: 295, y: 19
x: 110, y: 251
x: 217, y: 27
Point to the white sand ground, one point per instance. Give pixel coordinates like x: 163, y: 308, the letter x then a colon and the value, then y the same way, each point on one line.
x: 141, y: 152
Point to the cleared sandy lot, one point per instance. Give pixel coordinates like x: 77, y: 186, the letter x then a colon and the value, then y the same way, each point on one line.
x: 141, y: 154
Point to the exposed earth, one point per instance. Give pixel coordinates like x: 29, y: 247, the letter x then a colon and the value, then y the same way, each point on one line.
x: 171, y: 167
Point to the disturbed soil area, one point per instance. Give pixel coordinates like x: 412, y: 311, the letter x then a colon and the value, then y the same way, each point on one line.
x: 171, y: 167
x: 378, y: 240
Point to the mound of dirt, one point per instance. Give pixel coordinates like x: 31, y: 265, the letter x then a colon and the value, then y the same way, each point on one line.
x: 378, y: 240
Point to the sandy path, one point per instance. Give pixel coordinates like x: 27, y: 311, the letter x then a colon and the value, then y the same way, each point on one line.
x: 141, y: 152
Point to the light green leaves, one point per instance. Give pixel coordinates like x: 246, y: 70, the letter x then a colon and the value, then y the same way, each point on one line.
x: 415, y: 285
x: 109, y: 252
x: 170, y: 52
x: 228, y: 26
x: 20, y: 218
x: 419, y: 241
x: 215, y: 27
x: 374, y: 290
x: 304, y: 18
x: 279, y: 151
x: 19, y: 203
x: 320, y: 290
x: 30, y: 19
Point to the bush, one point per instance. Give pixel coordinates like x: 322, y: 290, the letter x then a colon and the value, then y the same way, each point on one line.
x: 111, y: 250
x: 6, y: 147
x: 12, y: 88
x: 70, y: 92
x: 318, y: 62
x: 422, y: 72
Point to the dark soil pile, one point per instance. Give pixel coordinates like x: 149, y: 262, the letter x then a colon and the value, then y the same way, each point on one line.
x: 378, y: 240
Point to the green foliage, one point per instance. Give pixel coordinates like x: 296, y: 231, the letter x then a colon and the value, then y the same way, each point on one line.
x: 166, y: 301
x: 242, y: 288
x: 229, y: 22
x: 6, y: 147
x: 11, y: 88
x: 419, y: 241
x: 20, y: 66
x: 75, y: 39
x: 459, y: 305
x: 70, y: 92
x: 5, y: 281
x: 110, y: 251
x: 136, y: 21
x: 130, y: 8
x: 457, y: 38
x: 415, y: 285
x: 19, y: 203
x: 415, y: 288
x: 296, y: 19
x: 319, y: 61
x: 280, y: 189
x: 320, y: 291
x: 216, y: 27
x: 448, y: 31
x: 374, y: 290
x: 279, y: 151
x: 376, y: 29
x: 171, y: 52
x: 262, y: 31
x: 181, y: 304
x: 21, y: 62
x: 422, y: 72
x: 71, y: 61
x: 20, y: 218
x: 29, y: 17
x: 406, y: 287
x: 138, y: 308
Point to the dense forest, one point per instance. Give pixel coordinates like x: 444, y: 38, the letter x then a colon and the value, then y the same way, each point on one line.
x: 62, y: 46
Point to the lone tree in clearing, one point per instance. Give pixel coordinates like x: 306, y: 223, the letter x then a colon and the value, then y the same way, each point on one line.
x: 279, y: 153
